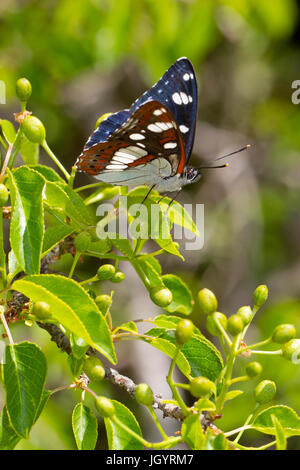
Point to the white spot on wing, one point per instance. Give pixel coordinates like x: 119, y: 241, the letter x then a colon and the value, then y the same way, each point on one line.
x: 170, y: 145
x: 177, y: 98
x: 183, y: 128
x: 116, y: 167
x: 186, y: 77
x: 184, y: 97
x: 154, y: 128
x: 157, y: 112
x: 137, y: 136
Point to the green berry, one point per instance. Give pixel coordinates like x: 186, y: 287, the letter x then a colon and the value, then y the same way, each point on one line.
x: 161, y: 296
x: 201, y: 386
x: 94, y: 369
x: 235, y: 325
x: 265, y: 391
x: 104, y: 302
x: 23, y: 89
x: 184, y: 331
x: 3, y: 195
x: 83, y: 242
x: 106, y: 272
x: 212, y: 323
x: 260, y: 295
x: 207, y: 301
x: 118, y: 277
x: 291, y: 350
x: 253, y: 369
x: 105, y: 407
x: 246, y: 314
x: 34, y: 129
x: 101, y: 118
x: 283, y: 333
x: 41, y: 310
x: 144, y: 395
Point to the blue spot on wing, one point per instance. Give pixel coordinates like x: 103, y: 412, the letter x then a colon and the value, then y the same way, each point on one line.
x: 107, y: 127
x: 173, y: 82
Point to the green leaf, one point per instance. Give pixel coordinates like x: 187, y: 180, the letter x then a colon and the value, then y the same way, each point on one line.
x: 8, y: 436
x: 24, y: 374
x: 85, y: 427
x: 27, y: 228
x: 192, y: 433
x: 233, y: 394
x: 182, y: 297
x: 200, y: 354
x: 13, y: 266
x: 149, y: 270
x: 128, y: 326
x: 8, y: 130
x: 123, y: 245
x: 29, y: 151
x: 156, y: 225
x: 48, y: 173
x: 287, y: 417
x: 54, y: 235
x: 60, y: 196
x: 204, y: 404
x: 279, y: 434
x: 178, y: 215
x: 72, y: 307
x: 118, y: 438
x: 100, y: 246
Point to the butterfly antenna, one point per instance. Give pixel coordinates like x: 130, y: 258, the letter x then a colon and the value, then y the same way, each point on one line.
x: 232, y: 153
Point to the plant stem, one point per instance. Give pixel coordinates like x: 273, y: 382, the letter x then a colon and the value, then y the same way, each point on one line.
x: 173, y: 387
x: 239, y: 379
x: 55, y: 159
x: 266, y: 446
x: 88, y: 186
x: 2, y: 252
x: 227, y: 375
x: 255, y: 345
x: 274, y: 353
x: 158, y: 425
x: 75, y: 260
x: 3, y: 319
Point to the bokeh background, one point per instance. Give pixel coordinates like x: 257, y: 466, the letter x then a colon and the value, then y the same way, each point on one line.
x: 88, y: 57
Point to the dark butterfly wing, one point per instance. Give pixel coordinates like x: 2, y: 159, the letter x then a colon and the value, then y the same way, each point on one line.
x: 107, y: 127
x: 177, y: 90
x: 150, y: 132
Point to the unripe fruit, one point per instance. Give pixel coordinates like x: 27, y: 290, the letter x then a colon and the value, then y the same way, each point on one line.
x: 41, y: 310
x: 106, y: 272
x: 212, y: 323
x: 265, y: 391
x: 291, y: 350
x: 119, y: 276
x: 23, y: 89
x: 104, y: 302
x: 260, y: 295
x: 283, y: 333
x: 207, y: 301
x: 253, y: 369
x: 201, y: 386
x: 34, y: 129
x: 105, y: 407
x: 101, y: 118
x: 161, y: 296
x: 246, y: 314
x: 144, y: 395
x: 94, y: 369
x: 235, y: 325
x: 83, y: 242
x: 3, y: 195
x: 184, y: 331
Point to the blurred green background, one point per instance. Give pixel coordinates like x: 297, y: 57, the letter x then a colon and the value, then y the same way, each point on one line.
x: 88, y: 57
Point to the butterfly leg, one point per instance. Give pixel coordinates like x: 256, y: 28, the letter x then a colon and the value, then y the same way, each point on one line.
x: 148, y: 194
x: 172, y: 200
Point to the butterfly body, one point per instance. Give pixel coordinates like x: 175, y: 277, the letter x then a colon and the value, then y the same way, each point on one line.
x: 151, y: 143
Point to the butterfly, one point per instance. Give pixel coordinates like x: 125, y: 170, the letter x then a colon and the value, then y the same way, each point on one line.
x: 150, y: 143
